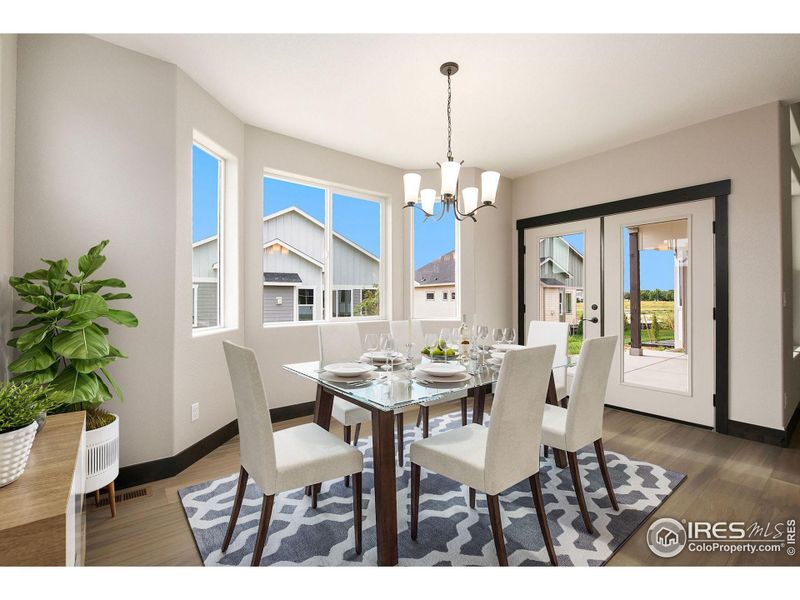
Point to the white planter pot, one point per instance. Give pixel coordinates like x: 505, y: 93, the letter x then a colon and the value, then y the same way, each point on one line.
x: 102, y: 456
x: 15, y: 448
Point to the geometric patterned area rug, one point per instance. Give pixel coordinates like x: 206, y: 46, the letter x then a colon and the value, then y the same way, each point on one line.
x: 450, y: 533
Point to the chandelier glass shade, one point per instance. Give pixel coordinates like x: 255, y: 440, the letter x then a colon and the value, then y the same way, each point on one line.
x: 471, y: 199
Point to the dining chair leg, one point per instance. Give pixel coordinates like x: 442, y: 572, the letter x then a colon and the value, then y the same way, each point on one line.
x: 263, y: 528
x: 356, y: 434
x: 601, y: 458
x: 399, y: 419
x: 346, y: 437
x: 547, y: 451
x: 357, y: 500
x: 314, y: 494
x: 112, y: 499
x: 463, y: 412
x: 241, y: 486
x: 472, y: 497
x: 97, y: 497
x: 574, y: 471
x: 538, y: 502
x: 425, y: 421
x: 415, y: 476
x: 419, y: 417
x: 497, y: 529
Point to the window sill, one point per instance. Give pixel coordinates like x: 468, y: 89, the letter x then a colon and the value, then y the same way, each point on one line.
x: 315, y: 323
x: 211, y: 331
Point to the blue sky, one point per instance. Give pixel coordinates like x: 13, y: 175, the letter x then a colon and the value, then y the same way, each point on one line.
x: 205, y: 181
x: 433, y: 238
x: 655, y: 266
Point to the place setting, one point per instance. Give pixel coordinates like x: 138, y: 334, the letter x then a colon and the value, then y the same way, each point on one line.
x: 348, y: 373
x: 503, y: 339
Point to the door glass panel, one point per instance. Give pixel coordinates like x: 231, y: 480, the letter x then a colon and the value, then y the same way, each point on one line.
x: 655, y: 297
x: 561, y: 276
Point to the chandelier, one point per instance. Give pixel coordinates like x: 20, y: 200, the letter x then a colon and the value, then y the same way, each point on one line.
x: 448, y: 194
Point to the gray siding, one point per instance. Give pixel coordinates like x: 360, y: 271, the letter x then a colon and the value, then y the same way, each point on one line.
x: 297, y: 231
x: 274, y: 312
x: 559, y: 250
x: 207, y: 298
x: 353, y: 267
x: 204, y: 257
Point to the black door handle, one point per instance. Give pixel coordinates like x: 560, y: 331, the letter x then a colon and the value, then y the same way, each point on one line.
x: 592, y: 320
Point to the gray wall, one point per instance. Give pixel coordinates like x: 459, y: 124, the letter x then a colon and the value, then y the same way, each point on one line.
x: 743, y: 147
x: 8, y: 98
x: 96, y: 160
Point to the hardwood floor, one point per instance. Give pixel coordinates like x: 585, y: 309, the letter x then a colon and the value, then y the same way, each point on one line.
x: 728, y: 479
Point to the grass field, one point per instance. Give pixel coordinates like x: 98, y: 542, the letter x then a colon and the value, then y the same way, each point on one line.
x: 663, y: 312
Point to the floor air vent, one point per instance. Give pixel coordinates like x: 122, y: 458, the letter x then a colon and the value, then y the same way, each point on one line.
x: 124, y: 495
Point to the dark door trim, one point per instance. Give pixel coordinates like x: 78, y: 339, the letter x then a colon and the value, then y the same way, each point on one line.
x: 719, y: 191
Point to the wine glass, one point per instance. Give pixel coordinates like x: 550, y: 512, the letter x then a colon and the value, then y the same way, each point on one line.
x: 497, y: 335
x: 409, y: 357
x: 430, y: 343
x: 444, y: 340
x: 371, y: 345
x: 386, y: 343
x: 509, y: 335
x: 483, y: 334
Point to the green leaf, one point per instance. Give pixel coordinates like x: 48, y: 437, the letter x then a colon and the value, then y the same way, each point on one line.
x: 55, y: 275
x: 89, y: 342
x: 74, y: 326
x: 87, y: 307
x: 39, y: 377
x: 29, y: 289
x: 116, y: 352
x: 122, y: 317
x: 96, y: 284
x: 75, y: 387
x: 98, y: 248
x: 40, y: 301
x: 37, y: 275
x: 89, y: 365
x: 122, y: 296
x: 101, y: 328
x: 29, y: 339
x: 88, y: 264
x: 105, y: 393
x: 113, y: 383
x: 37, y: 358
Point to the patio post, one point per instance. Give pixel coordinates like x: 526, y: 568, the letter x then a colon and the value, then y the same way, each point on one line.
x: 635, y: 293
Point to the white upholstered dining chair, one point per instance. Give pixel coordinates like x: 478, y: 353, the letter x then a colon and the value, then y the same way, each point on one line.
x: 492, y: 459
x: 405, y: 332
x: 278, y: 462
x: 545, y: 333
x: 581, y: 424
x: 341, y: 342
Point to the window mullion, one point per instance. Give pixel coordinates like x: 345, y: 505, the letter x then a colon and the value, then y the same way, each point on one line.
x: 328, y: 255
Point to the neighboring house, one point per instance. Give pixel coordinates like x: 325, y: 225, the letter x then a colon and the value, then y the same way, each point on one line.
x: 560, y: 280
x: 435, y: 288
x: 294, y: 271
x: 205, y: 275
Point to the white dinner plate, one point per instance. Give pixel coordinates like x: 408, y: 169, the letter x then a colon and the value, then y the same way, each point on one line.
x: 380, y: 357
x: 427, y: 379
x: 505, y: 347
x: 358, y: 380
x: 349, y: 369
x: 438, y: 369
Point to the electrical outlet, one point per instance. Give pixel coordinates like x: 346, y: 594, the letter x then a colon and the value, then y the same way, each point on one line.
x: 195, y: 411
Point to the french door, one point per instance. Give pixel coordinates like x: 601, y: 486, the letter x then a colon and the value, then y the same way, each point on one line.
x: 646, y: 276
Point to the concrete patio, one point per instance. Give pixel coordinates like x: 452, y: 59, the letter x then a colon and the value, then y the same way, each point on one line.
x: 661, y: 369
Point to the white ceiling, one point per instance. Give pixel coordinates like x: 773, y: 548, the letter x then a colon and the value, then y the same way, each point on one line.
x: 520, y: 102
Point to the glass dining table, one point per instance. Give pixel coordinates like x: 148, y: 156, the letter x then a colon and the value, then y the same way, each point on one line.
x: 396, y: 388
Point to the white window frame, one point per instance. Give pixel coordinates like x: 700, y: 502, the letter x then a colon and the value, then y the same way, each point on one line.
x: 224, y: 164
x: 430, y: 296
x: 332, y: 188
x: 195, y: 291
x: 411, y: 295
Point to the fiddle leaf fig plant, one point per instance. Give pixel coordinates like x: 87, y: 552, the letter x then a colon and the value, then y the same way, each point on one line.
x: 64, y: 344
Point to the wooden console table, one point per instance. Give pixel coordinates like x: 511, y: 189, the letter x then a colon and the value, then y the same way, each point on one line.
x: 42, y: 521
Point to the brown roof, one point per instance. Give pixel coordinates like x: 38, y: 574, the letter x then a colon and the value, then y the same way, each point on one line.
x: 441, y: 270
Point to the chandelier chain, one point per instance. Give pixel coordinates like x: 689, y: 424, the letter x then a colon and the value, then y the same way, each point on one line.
x: 449, y: 125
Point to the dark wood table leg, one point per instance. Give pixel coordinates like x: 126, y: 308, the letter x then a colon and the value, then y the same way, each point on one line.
x: 322, y: 414
x: 385, y: 486
x: 552, y: 399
